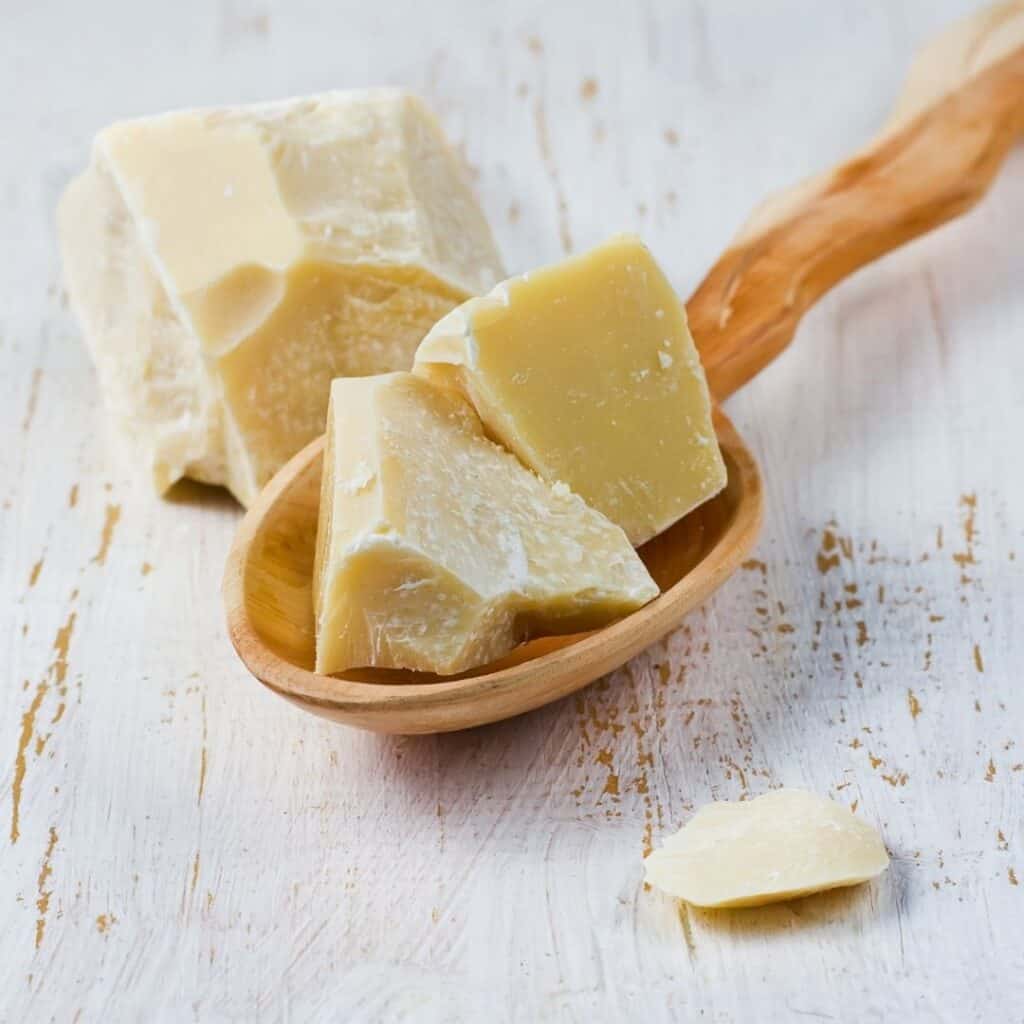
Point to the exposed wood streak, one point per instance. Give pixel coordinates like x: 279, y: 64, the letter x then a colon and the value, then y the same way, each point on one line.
x: 827, y: 562
x: 57, y: 676
x: 61, y: 647
x: 964, y: 559
x: 202, y: 755
x: 44, y: 894
x: 28, y: 724
x: 913, y: 704
x: 33, y: 400
x: 113, y: 514
x: 33, y: 576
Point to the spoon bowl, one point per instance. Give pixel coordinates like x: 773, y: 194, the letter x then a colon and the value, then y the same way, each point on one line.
x: 268, y: 592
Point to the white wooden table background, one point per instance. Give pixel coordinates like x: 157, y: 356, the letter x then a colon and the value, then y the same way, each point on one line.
x: 179, y: 844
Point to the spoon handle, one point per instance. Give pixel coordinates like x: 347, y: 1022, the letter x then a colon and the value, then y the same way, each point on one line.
x: 961, y: 110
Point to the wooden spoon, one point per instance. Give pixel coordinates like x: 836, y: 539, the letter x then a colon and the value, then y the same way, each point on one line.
x: 959, y: 114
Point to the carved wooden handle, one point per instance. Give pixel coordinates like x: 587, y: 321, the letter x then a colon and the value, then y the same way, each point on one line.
x: 959, y: 114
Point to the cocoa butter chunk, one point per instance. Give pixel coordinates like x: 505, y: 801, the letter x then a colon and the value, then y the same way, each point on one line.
x: 438, y: 550
x: 227, y: 264
x: 587, y: 371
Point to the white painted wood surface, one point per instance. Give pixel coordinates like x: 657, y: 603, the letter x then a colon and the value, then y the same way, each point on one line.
x: 179, y: 844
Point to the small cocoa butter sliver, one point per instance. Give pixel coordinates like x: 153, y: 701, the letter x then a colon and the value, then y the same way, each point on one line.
x: 784, y: 844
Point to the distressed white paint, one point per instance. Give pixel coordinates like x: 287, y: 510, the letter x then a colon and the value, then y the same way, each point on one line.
x: 253, y: 862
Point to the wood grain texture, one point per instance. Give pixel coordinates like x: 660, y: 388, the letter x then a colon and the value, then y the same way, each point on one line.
x: 188, y: 847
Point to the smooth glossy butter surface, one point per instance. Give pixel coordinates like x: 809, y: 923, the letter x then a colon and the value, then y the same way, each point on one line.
x: 438, y: 551
x: 227, y: 264
x: 784, y: 844
x: 587, y: 371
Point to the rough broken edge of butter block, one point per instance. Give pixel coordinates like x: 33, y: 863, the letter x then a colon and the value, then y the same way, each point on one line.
x: 359, y: 183
x: 438, y: 551
x: 587, y: 371
x: 784, y: 844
